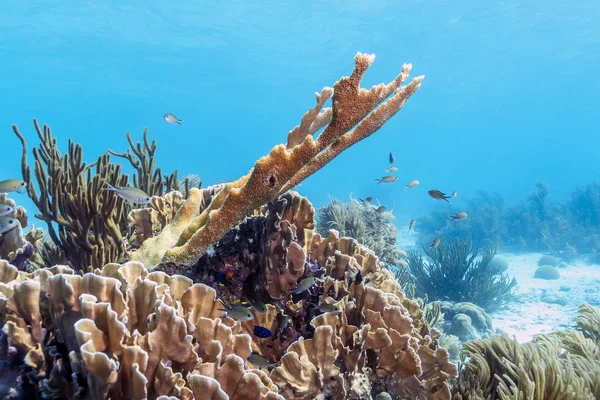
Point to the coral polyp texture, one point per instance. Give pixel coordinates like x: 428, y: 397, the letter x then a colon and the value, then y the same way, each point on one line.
x: 356, y: 114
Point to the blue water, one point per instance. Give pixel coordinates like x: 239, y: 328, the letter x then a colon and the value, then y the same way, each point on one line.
x: 510, y: 95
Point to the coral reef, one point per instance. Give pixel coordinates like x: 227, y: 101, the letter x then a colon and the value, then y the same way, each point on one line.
x: 547, y: 272
x: 356, y: 114
x: 87, y: 223
x: 123, y: 331
x: 560, y: 365
x: 454, y: 273
x: 465, y: 320
x: 15, y: 246
x: 365, y: 223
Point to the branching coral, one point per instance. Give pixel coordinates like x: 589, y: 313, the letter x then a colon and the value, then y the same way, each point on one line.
x: 87, y: 223
x: 556, y: 366
x: 287, y: 165
x: 364, y: 223
x: 454, y: 274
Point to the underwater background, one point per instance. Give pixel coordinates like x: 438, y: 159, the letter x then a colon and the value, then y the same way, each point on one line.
x: 494, y: 253
x: 509, y: 97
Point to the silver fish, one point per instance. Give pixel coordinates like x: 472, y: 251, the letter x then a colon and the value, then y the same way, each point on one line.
x: 387, y: 179
x: 392, y: 169
x: 5, y: 209
x: 411, y: 225
x: 325, y: 308
x: 284, y: 324
x: 260, y: 361
x: 7, y: 223
x: 172, y: 119
x: 436, y: 243
x: 412, y: 184
x: 304, y: 285
x: 238, y: 312
x: 454, y: 194
x: 128, y: 193
x: 12, y: 185
x: 458, y: 216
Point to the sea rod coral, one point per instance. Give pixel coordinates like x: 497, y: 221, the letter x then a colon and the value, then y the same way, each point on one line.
x: 356, y: 114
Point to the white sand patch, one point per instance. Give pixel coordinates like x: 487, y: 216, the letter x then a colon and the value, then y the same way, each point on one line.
x: 531, y: 315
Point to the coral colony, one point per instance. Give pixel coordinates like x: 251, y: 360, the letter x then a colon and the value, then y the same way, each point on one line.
x: 229, y: 291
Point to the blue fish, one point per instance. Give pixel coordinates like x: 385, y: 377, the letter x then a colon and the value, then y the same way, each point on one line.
x: 262, y: 332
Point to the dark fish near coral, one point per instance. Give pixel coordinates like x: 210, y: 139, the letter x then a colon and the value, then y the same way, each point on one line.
x: 262, y: 332
x: 7, y: 223
x: 259, y: 307
x: 238, y: 312
x: 380, y: 209
x: 5, y: 209
x: 326, y: 308
x: 356, y: 278
x: 392, y: 169
x: 366, y: 201
x: 172, y: 119
x: 436, y: 243
x: 459, y: 216
x: 411, y: 225
x: 436, y: 194
x: 304, y: 285
x: 12, y: 185
x: 260, y: 361
x: 131, y: 194
x: 392, y: 158
x: 387, y: 179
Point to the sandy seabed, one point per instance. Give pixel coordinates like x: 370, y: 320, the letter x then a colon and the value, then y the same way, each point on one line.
x: 532, y: 314
x: 579, y: 282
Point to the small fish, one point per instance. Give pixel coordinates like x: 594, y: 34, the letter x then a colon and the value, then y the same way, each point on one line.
x: 172, y: 119
x: 259, y: 306
x: 260, y: 361
x: 459, y: 216
x: 366, y: 201
x: 386, y: 179
x: 7, y: 223
x: 5, y: 209
x: 411, y: 225
x: 12, y: 185
x: 380, y: 209
x: 454, y: 194
x: 284, y: 324
x: 436, y: 194
x: 262, y: 332
x: 392, y: 158
x: 238, y: 312
x: 402, y: 263
x: 412, y: 184
x: 357, y: 278
x: 304, y: 285
x: 392, y: 169
x: 128, y: 193
x: 326, y: 308
x: 436, y: 243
